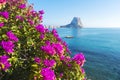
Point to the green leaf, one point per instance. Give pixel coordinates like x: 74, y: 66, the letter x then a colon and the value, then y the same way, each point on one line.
x: 34, y: 65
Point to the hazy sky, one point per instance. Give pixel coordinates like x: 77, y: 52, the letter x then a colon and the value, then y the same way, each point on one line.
x: 93, y: 13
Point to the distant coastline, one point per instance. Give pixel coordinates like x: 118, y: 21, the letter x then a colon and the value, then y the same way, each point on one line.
x: 75, y: 23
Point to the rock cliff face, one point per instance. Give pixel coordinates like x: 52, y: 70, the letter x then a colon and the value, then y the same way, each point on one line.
x: 75, y: 23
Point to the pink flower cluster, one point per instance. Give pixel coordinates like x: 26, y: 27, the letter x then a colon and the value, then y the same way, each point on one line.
x: 8, y: 46
x: 79, y: 59
x: 53, y: 48
x: 49, y: 63
x: 67, y: 49
x: 4, y: 63
x: 42, y: 36
x: 1, y: 24
x: 37, y: 60
x: 22, y: 6
x: 54, y: 32
x: 30, y: 22
x: 40, y: 14
x: 58, y: 48
x: 5, y: 14
x: 12, y: 36
x: 48, y: 74
x: 19, y: 17
x: 33, y: 13
x: 48, y: 49
x: 2, y: 1
x: 40, y: 28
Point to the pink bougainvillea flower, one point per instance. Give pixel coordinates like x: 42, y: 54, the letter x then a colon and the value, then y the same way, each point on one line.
x: 37, y: 60
x: 46, y: 30
x: 19, y: 17
x: 48, y: 49
x: 79, y: 59
x: 5, y: 14
x: 30, y: 22
x: 34, y: 13
x: 22, y: 6
x: 68, y: 58
x: 40, y: 28
x: 4, y: 63
x: 54, y: 32
x: 41, y: 17
x: 67, y: 49
x: 20, y: 27
x: 82, y: 70
x: 61, y: 75
x: 2, y: 1
x: 8, y: 46
x: 47, y: 42
x: 42, y: 36
x: 58, y: 48
x: 62, y: 58
x: 1, y: 24
x: 48, y: 74
x: 49, y: 63
x: 12, y: 36
x: 41, y: 12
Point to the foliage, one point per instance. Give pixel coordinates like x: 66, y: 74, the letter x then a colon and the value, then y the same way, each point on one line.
x: 28, y: 51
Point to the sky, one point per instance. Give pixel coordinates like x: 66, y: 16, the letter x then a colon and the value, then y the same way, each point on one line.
x: 93, y: 13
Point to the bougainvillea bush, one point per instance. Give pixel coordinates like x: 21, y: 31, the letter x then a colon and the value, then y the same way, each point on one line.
x: 29, y: 51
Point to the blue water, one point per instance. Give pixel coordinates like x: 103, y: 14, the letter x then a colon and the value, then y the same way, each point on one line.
x: 101, y: 48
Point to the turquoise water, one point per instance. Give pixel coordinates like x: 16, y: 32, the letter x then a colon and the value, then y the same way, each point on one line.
x: 101, y: 48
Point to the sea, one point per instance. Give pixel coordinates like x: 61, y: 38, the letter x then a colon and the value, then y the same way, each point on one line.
x: 101, y: 47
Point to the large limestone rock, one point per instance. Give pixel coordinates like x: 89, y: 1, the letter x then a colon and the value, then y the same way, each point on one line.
x: 75, y: 23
